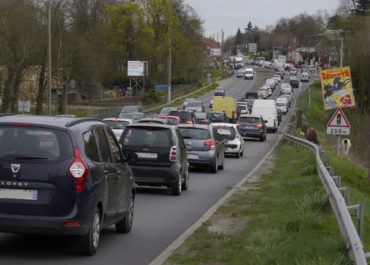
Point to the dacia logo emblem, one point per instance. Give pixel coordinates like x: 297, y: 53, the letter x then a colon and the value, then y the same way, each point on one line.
x: 15, y: 168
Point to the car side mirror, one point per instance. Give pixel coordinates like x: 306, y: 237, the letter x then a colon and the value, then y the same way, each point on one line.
x: 265, y: 121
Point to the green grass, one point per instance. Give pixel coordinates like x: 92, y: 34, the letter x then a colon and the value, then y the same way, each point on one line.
x: 289, y: 221
x: 351, y: 174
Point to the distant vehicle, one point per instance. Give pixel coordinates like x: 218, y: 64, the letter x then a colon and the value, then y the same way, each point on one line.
x: 161, y: 156
x: 249, y: 98
x: 227, y: 105
x: 132, y: 115
x: 117, y: 125
x: 278, y: 77
x: 219, y: 91
x: 171, y: 120
x: 234, y: 144
x: 262, y: 93
x: 211, y: 103
x: 186, y: 101
x: 201, y: 117
x: 294, y: 81
x: 63, y: 176
x: 293, y: 71
x: 204, y: 146
x: 252, y: 126
x: 267, y: 109
x: 128, y: 109
x: 166, y: 110
x: 281, y: 72
x: 282, y: 105
x: 305, y: 77
x: 249, y: 73
x: 185, y: 116
x: 240, y: 73
x: 216, y: 116
x: 152, y: 120
x: 196, y: 106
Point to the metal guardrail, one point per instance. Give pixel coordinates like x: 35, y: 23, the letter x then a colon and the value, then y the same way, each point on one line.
x: 339, y: 204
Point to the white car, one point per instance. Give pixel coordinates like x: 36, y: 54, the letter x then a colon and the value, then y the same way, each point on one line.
x: 234, y: 141
x: 240, y: 73
x: 282, y: 105
x: 277, y: 77
x: 118, y: 125
x: 305, y: 77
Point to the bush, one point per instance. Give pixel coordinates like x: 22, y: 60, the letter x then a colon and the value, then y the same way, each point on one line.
x: 152, y: 98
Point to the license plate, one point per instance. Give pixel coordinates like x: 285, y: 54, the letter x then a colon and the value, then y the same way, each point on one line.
x: 147, y: 155
x: 18, y: 194
x: 192, y: 156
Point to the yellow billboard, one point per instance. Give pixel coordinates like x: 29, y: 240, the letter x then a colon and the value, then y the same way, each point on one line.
x: 336, y: 88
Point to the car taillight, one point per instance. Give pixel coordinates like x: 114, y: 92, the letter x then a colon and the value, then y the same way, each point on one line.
x: 210, y: 144
x: 173, y: 153
x: 259, y: 125
x: 79, y: 171
x: 189, y: 122
x: 238, y: 124
x: 274, y: 122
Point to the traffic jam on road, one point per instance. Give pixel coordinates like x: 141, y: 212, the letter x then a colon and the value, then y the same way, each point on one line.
x: 76, y: 176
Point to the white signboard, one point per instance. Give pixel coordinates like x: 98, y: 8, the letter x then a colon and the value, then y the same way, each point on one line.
x: 24, y: 105
x: 135, y: 68
x: 338, y: 124
x: 215, y: 52
x: 252, y: 47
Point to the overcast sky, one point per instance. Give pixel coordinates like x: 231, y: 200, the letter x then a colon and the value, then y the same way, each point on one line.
x: 231, y: 14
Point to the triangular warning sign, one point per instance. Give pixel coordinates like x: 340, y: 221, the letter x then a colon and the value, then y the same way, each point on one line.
x: 339, y: 120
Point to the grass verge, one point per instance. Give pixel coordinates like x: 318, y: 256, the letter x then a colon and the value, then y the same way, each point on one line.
x: 283, y: 218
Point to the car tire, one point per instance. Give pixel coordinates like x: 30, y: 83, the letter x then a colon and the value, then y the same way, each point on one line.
x: 125, y: 225
x: 237, y: 155
x: 177, y: 186
x: 185, y: 184
x: 89, y: 243
x: 213, y: 167
x: 242, y: 153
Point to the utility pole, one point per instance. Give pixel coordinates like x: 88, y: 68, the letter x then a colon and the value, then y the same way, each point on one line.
x: 169, y: 69
x: 49, y: 60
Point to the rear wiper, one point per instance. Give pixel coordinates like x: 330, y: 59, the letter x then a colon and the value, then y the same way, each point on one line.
x: 29, y: 157
x: 186, y: 137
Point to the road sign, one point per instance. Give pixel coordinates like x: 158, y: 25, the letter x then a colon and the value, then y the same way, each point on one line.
x: 338, y: 124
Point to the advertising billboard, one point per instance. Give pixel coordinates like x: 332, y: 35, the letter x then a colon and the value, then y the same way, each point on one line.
x: 215, y: 52
x: 336, y: 88
x: 135, y: 68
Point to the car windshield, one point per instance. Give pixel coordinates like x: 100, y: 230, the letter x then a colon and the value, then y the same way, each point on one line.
x: 216, y: 115
x: 226, y: 133
x: 170, y: 121
x: 129, y: 109
x: 280, y: 104
x: 195, y: 104
x: 135, y: 116
x: 249, y: 72
x: 250, y: 120
x: 38, y: 144
x: 195, y: 133
x: 146, y: 137
x: 200, y: 115
x: 117, y: 124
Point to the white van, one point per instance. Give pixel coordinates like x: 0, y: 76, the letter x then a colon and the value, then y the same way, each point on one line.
x: 267, y: 109
x: 249, y: 73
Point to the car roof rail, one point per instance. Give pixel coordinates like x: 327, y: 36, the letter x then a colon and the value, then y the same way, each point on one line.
x: 80, y: 120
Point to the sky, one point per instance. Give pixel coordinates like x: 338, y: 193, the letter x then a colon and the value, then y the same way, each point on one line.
x: 228, y: 15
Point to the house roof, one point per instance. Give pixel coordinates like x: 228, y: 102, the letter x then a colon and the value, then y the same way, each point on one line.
x: 210, y: 43
x: 311, y: 40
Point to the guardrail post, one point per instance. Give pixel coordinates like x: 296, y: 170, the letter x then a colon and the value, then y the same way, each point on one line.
x: 330, y: 170
x: 346, y: 194
x: 338, y: 180
x: 359, y: 216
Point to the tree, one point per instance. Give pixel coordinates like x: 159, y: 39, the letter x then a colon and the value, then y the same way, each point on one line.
x: 362, y: 7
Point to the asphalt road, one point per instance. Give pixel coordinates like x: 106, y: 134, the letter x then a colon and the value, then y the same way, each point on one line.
x: 159, y: 217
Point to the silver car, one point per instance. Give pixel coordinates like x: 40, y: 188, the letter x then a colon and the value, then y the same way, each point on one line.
x: 234, y: 144
x: 204, y: 146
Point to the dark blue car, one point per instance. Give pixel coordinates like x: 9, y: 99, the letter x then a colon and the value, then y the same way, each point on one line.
x: 63, y: 175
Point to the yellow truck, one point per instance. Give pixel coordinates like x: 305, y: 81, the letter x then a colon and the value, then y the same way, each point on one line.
x: 227, y: 105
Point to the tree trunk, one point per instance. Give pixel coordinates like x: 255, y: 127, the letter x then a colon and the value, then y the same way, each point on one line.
x: 41, y: 90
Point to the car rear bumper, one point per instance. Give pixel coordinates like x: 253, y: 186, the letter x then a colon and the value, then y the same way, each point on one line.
x: 45, y: 224
x: 155, y: 176
x: 250, y: 133
x: 207, y: 158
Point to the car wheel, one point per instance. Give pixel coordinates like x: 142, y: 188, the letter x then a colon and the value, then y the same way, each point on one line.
x: 177, y: 186
x: 89, y: 242
x: 242, y: 152
x: 185, y: 184
x: 125, y: 225
x: 237, y: 155
x: 262, y: 139
x: 214, y: 167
